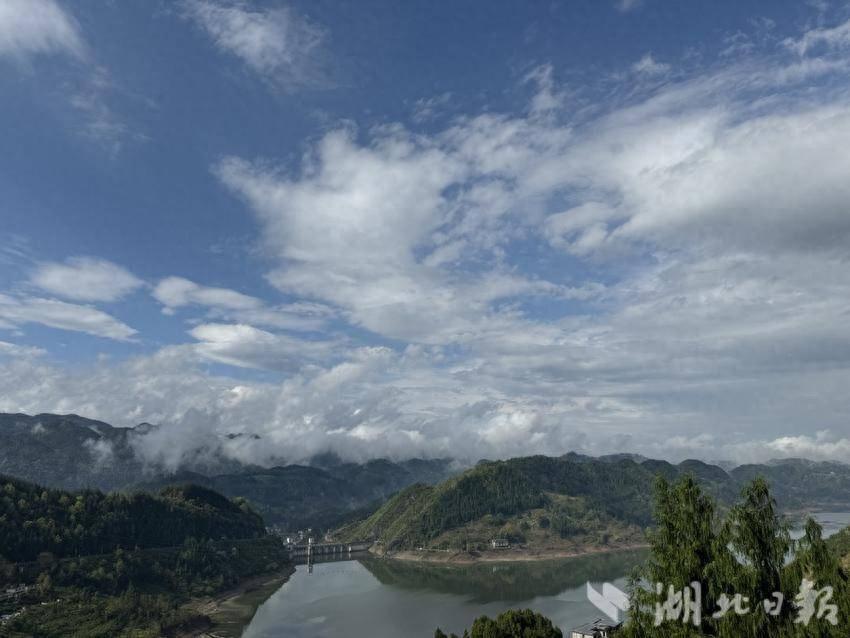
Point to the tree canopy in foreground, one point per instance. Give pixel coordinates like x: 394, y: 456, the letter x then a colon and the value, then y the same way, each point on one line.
x: 719, y: 575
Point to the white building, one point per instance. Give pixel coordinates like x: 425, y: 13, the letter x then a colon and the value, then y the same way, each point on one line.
x: 595, y: 629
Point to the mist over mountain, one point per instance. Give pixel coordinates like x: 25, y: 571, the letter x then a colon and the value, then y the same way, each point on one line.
x: 73, y: 452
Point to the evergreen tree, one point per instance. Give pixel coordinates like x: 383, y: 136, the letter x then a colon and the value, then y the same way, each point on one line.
x: 514, y: 623
x: 761, y: 541
x: 746, y: 582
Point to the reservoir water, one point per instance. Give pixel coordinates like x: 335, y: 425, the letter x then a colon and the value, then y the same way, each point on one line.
x: 377, y: 598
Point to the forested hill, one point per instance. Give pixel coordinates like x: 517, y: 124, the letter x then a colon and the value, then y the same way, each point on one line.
x: 299, y: 496
x: 488, y: 499
x: 34, y: 519
x: 543, y: 499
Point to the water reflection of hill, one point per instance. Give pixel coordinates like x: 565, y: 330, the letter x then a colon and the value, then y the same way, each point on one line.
x: 491, y: 582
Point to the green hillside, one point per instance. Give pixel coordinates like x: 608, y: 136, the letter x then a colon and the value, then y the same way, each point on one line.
x: 106, y: 565
x: 572, y: 501
x: 34, y: 519
x: 521, y: 499
x: 299, y: 496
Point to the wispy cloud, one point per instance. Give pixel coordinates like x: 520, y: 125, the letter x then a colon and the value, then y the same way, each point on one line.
x: 648, y: 65
x: 836, y: 37
x: 92, y: 98
x: 85, y: 279
x: 175, y: 292
x: 223, y: 303
x: 277, y: 44
x: 63, y: 315
x: 249, y: 347
x: 14, y: 350
x: 38, y: 27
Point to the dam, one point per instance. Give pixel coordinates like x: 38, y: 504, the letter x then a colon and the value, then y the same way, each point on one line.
x: 310, y: 550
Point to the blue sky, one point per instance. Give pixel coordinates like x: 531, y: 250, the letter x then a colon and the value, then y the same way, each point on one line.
x: 471, y: 229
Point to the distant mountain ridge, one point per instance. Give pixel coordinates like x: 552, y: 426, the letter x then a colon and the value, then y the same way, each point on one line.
x: 72, y: 452
x: 68, y: 451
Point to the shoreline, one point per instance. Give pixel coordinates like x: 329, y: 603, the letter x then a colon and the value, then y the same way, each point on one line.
x: 230, y: 611
x: 518, y: 555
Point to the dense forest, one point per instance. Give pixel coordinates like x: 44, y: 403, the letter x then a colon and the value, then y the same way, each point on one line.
x: 142, y: 593
x: 569, y: 496
x: 295, y: 497
x: 95, y: 564
x: 35, y: 520
x: 538, y: 498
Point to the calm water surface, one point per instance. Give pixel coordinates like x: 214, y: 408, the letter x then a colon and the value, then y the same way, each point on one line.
x: 374, y: 598
x: 393, y: 599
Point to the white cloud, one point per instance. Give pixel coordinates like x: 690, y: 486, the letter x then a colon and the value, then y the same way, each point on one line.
x: 277, y: 44
x: 63, y: 315
x: 371, y: 230
x: 380, y: 403
x: 14, y: 350
x: 547, y: 98
x: 32, y: 27
x: 249, y: 347
x: 85, y: 279
x: 176, y: 292
x: 231, y: 305
x: 714, y: 168
x: 300, y: 317
x: 648, y: 65
x: 722, y: 218
x: 666, y: 262
x: 836, y: 37
x: 426, y: 109
x: 101, y: 450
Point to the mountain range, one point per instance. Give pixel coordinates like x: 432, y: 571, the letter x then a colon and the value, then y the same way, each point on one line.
x: 73, y: 452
